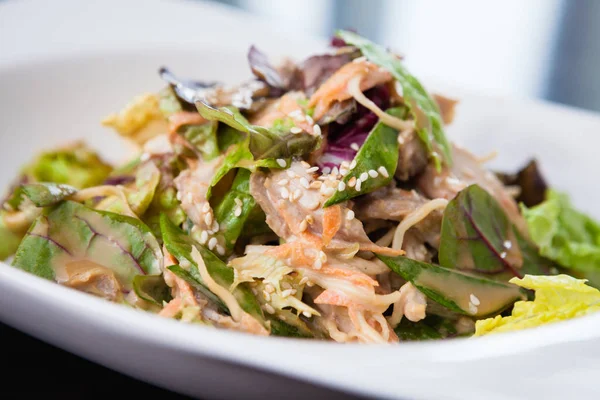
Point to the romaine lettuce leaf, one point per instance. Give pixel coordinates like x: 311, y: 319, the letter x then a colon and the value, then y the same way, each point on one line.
x: 557, y: 298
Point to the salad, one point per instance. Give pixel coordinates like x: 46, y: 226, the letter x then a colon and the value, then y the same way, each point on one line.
x: 319, y: 199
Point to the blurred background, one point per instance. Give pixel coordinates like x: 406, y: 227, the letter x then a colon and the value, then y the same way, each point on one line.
x: 546, y: 49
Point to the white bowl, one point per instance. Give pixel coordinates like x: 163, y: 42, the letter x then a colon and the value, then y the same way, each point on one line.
x: 47, y: 100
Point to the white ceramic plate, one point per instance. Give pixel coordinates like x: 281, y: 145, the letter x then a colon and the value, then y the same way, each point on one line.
x: 56, y: 96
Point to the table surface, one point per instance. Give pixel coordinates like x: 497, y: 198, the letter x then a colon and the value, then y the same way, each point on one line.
x: 60, y: 374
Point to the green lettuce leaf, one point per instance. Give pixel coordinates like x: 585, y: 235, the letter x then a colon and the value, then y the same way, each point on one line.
x: 423, y: 108
x: 380, y: 149
x: 566, y: 235
x: 557, y: 298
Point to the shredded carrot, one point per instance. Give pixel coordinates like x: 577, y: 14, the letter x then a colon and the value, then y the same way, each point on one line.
x: 171, y: 309
x: 335, y: 298
x: 332, y: 222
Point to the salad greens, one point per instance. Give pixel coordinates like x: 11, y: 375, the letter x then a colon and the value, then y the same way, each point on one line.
x: 240, y: 211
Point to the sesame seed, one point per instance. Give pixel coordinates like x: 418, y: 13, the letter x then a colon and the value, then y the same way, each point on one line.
x: 373, y: 173
x: 212, y: 243
x: 352, y: 164
x: 297, y: 194
x: 284, y: 193
x: 310, y: 219
x: 309, y: 119
x: 291, y: 174
x: 383, y: 171
x: 400, y: 140
x: 507, y: 244
x: 343, y: 171
x: 328, y: 191
x: 203, y: 237
x: 305, y: 164
x: 303, y: 225
x: 220, y: 250
x: 364, y: 176
x: 281, y: 162
x: 474, y: 299
x: 303, y: 280
x: 318, y: 264
x: 295, y: 129
x: 266, y: 295
x: 354, y: 146
x: 358, y: 183
x: 322, y: 256
x: 326, y: 170
x: 350, y: 215
x: 313, y: 206
x: 295, y: 113
x: 335, y: 171
x: 205, y: 207
x: 286, y: 292
x: 503, y: 254
x: 472, y: 308
x: 283, y: 182
x: 189, y: 197
x: 341, y: 186
x: 215, y: 226
x: 304, y: 183
x: 269, y: 308
x: 178, y: 196
x: 352, y: 181
x: 306, y: 314
x: 316, y: 185
x: 313, y: 169
x: 208, y: 219
x: 238, y: 202
x: 238, y: 211
x: 317, y: 129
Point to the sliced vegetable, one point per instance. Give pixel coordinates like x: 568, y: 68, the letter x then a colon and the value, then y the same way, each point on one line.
x: 75, y: 165
x: 376, y: 162
x: 432, y: 327
x: 423, y: 108
x: 566, y: 235
x: 458, y: 291
x: 262, y: 143
x: 9, y: 240
x: 262, y: 69
x: 71, y: 236
x: 202, y: 139
x: 280, y: 328
x: 152, y: 289
x: 557, y: 298
x: 180, y: 246
x: 478, y: 236
x: 45, y: 194
x: 186, y: 90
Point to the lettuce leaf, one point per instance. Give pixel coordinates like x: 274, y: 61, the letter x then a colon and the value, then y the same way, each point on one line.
x: 565, y: 235
x: 557, y: 298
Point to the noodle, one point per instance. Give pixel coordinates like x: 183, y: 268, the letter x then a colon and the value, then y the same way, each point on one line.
x: 415, y: 217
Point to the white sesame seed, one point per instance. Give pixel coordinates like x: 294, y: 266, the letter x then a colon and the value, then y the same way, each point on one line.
x: 352, y: 164
x: 281, y: 162
x: 503, y: 254
x: 303, y: 280
x: 306, y: 314
x: 316, y: 184
x: 364, y: 176
x: 318, y: 264
x: 322, y: 256
x: 178, y: 196
x: 189, y: 197
x: 208, y: 219
x: 350, y: 215
x: 295, y: 129
x: 341, y: 186
x: 215, y: 226
x: 352, y: 181
x: 474, y: 299
x: 335, y: 171
x: 472, y: 308
x: 373, y: 173
x: 328, y: 191
x: 326, y: 170
x: 317, y: 129
x: 507, y: 244
x: 304, y: 183
x: 269, y: 308
x: 303, y: 225
x: 238, y: 202
x: 310, y: 219
x: 266, y: 295
x: 220, y: 250
x: 305, y: 164
x: 212, y: 243
x: 313, y: 169
x: 283, y: 182
x: 203, y: 237
x: 383, y: 171
x: 354, y: 146
x: 295, y: 113
x: 286, y: 293
x: 297, y: 194
x: 238, y: 211
x: 343, y: 171
x: 206, y: 207
x: 309, y: 119
x: 358, y: 184
x: 400, y: 140
x: 291, y: 174
x: 285, y: 193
